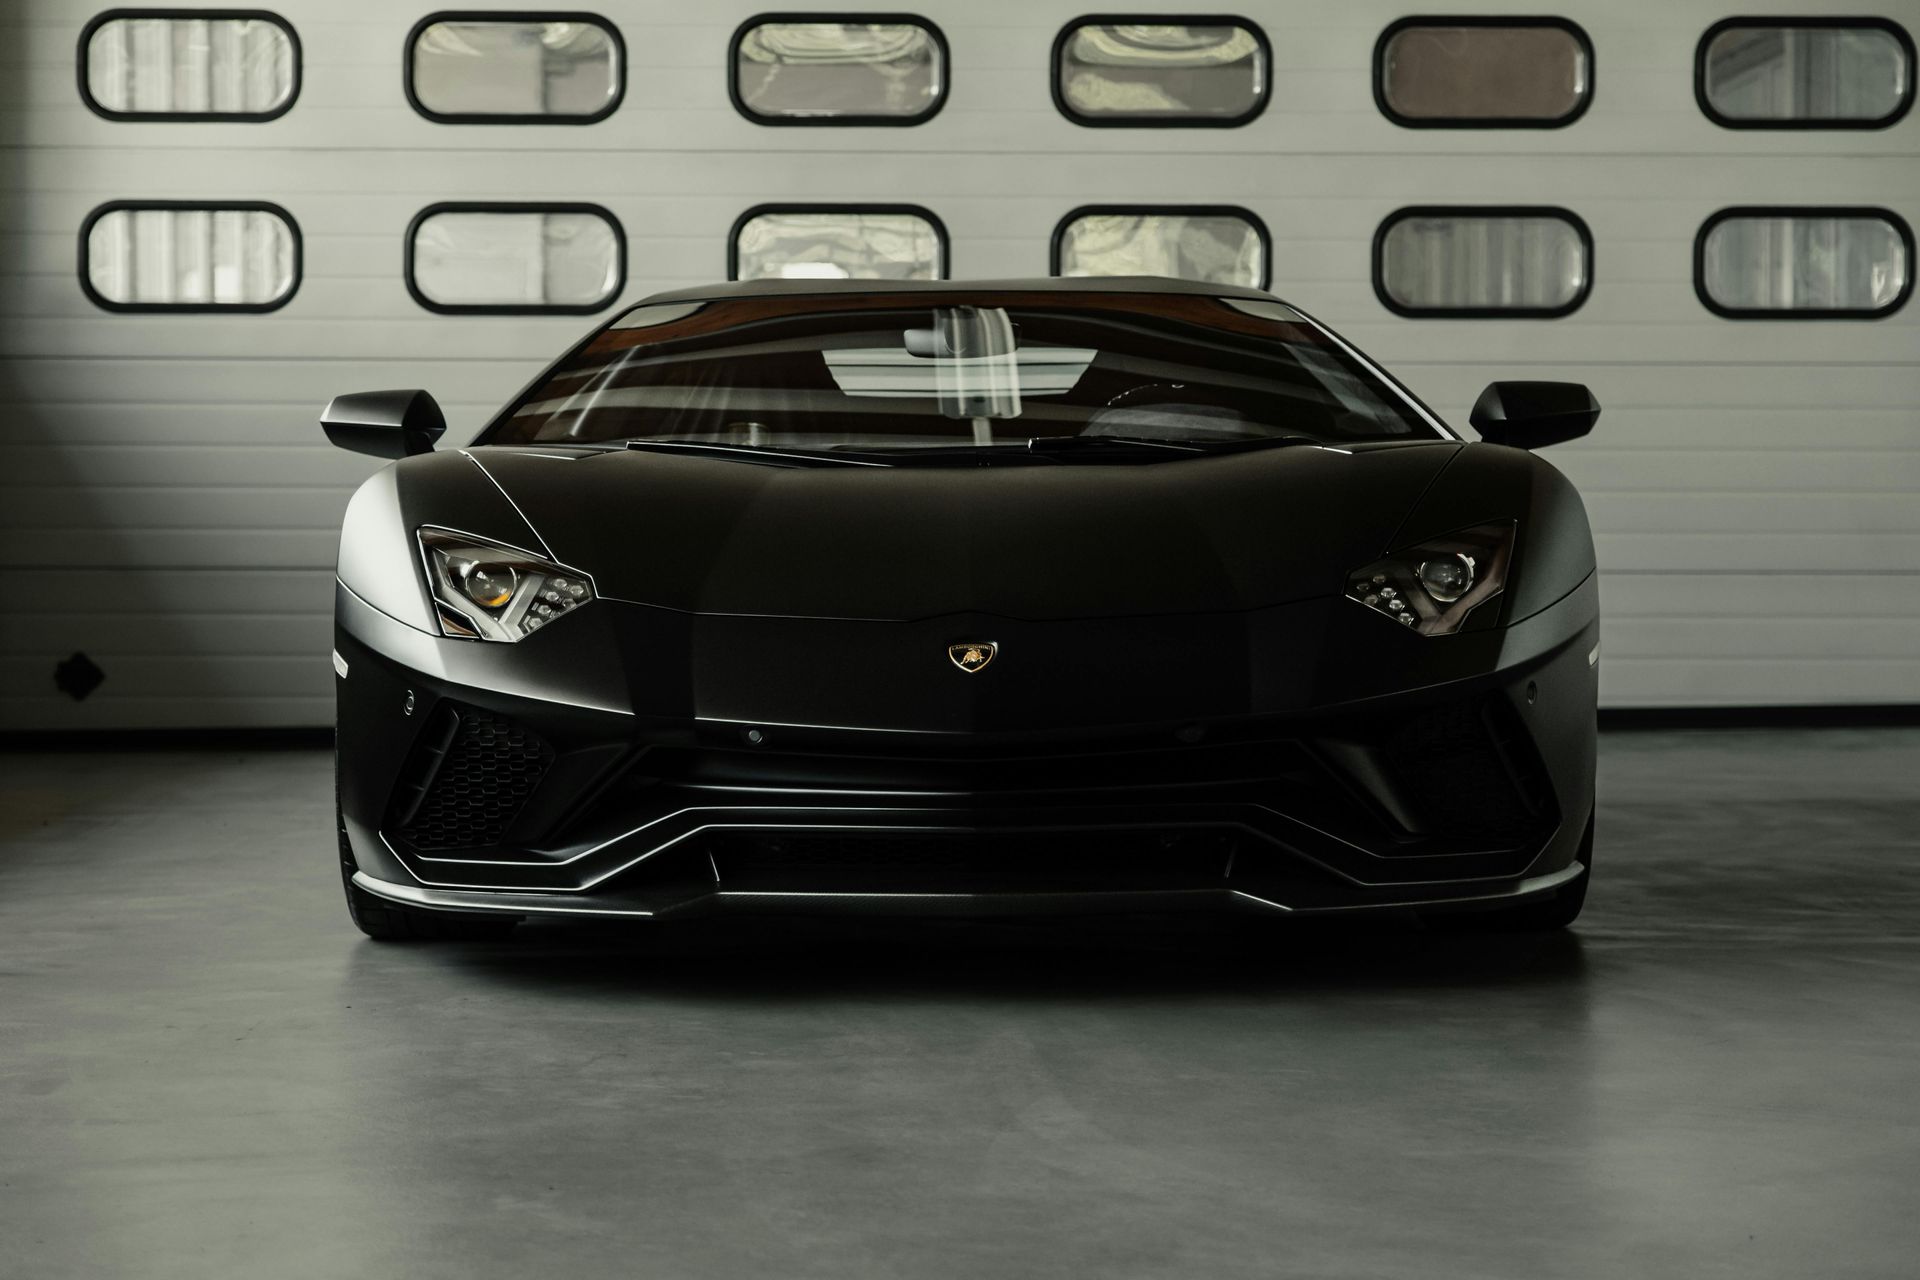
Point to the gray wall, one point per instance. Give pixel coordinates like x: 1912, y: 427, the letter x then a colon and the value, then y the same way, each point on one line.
x: 169, y: 507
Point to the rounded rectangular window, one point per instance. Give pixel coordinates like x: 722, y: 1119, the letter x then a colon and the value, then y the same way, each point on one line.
x: 1512, y: 73
x: 1214, y: 245
x: 1804, y: 73
x: 1148, y: 71
x: 838, y: 242
x: 1804, y: 263
x: 886, y: 69
x: 163, y: 255
x: 506, y: 259
x: 521, y: 68
x: 1480, y: 262
x: 183, y: 64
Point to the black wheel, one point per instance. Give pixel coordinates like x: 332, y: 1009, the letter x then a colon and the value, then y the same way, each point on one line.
x: 391, y: 922
x: 1544, y: 916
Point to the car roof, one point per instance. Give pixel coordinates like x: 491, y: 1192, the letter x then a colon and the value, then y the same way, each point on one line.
x: 1035, y: 284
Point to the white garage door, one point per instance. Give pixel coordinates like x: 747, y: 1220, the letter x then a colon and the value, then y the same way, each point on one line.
x: 170, y: 508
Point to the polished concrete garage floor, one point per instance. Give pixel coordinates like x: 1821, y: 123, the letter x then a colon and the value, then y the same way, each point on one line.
x: 205, y: 1072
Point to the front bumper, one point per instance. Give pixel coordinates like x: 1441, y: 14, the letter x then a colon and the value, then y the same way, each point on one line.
x: 518, y: 784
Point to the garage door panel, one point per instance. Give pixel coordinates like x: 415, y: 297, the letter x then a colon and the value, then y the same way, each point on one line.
x: 188, y: 472
x: 1758, y: 682
x: 169, y: 549
x: 1758, y: 552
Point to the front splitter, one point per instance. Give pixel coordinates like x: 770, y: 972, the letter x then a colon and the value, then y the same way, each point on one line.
x: 718, y: 900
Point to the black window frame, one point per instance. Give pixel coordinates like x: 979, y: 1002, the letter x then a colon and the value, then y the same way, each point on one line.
x: 189, y: 117
x: 839, y: 206
x: 515, y: 308
x: 1560, y: 212
x: 506, y: 17
x: 1898, y: 32
x: 105, y: 303
x: 1568, y: 25
x: 1732, y: 212
x: 1056, y: 248
x: 1159, y: 122
x: 830, y: 17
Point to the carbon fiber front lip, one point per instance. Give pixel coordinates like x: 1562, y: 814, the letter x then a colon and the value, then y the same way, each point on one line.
x: 721, y: 900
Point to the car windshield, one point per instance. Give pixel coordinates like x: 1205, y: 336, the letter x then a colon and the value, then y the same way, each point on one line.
x: 896, y: 372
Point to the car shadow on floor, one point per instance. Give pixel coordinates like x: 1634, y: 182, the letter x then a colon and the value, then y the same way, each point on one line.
x: 1043, y: 959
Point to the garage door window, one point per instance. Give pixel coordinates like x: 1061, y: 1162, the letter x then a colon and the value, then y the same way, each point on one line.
x: 179, y: 256
x: 1804, y: 263
x: 1811, y: 73
x: 486, y: 68
x: 838, y: 242
x: 516, y: 259
x: 1215, y: 245
x: 1468, y: 262
x: 161, y: 64
x: 820, y: 69
x: 1144, y: 71
x: 1483, y: 73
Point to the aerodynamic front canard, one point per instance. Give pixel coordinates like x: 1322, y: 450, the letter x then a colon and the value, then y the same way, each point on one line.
x: 1011, y: 596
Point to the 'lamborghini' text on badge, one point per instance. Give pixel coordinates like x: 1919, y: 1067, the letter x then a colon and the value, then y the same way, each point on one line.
x: 974, y: 656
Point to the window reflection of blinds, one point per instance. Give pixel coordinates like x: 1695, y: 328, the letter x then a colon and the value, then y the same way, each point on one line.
x: 189, y: 66
x: 1483, y: 263
x: 1805, y: 73
x: 507, y: 259
x: 190, y: 256
x: 515, y: 68
x: 1805, y: 263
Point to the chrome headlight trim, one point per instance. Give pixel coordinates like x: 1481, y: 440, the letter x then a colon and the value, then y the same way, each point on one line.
x: 544, y: 589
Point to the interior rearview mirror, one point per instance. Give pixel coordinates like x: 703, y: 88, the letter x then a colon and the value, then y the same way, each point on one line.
x: 386, y: 424
x: 1532, y: 415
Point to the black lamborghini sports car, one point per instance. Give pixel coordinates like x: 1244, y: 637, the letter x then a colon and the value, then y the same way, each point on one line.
x: 964, y: 597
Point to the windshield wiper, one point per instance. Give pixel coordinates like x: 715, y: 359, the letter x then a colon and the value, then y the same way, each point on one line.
x: 753, y: 453
x: 1063, y: 444
x: 1034, y: 450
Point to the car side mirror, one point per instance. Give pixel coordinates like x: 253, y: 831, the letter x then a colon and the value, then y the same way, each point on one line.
x: 1532, y: 415
x: 386, y: 424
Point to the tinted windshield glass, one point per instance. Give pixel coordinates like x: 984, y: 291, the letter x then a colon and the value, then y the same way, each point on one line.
x: 908, y: 371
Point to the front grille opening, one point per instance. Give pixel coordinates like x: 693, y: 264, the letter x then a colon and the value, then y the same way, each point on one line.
x: 979, y: 862
x: 468, y: 777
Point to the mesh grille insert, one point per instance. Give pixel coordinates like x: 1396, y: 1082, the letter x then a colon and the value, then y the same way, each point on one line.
x: 470, y: 776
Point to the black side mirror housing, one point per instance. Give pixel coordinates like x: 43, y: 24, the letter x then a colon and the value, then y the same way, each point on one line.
x: 1532, y: 415
x: 386, y: 424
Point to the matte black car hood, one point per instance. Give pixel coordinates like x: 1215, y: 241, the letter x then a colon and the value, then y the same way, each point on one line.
x: 1195, y: 535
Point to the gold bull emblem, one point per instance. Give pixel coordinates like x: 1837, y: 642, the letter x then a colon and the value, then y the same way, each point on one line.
x: 972, y: 656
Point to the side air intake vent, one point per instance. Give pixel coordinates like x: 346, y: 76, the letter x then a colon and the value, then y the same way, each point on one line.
x: 468, y: 778
x: 1469, y: 770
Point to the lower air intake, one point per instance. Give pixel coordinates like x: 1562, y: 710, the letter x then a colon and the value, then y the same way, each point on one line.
x: 1470, y: 770
x: 970, y: 862
x: 469, y: 777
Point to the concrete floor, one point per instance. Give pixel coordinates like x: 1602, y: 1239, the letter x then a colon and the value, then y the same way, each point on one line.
x: 205, y: 1072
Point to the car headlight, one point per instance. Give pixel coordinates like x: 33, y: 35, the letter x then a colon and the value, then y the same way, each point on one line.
x: 1435, y: 586
x: 489, y: 591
